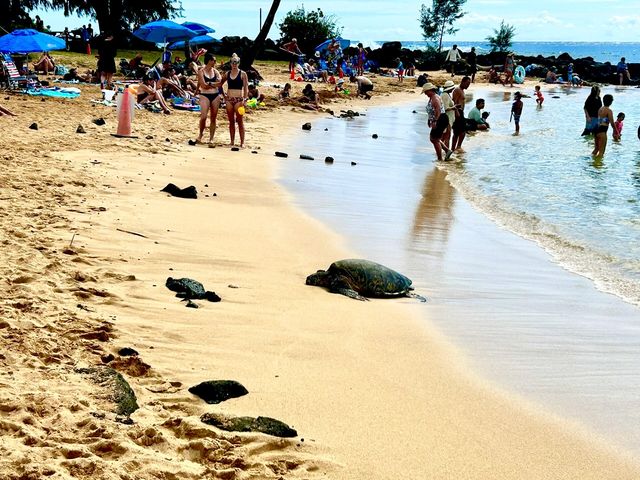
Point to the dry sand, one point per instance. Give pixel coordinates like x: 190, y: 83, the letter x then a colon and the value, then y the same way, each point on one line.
x: 373, y: 392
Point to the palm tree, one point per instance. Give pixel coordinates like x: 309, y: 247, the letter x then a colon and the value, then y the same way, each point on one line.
x: 258, y: 43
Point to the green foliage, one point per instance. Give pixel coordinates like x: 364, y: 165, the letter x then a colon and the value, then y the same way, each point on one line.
x: 310, y: 28
x: 15, y: 13
x: 503, y: 37
x: 120, y: 15
x: 438, y: 20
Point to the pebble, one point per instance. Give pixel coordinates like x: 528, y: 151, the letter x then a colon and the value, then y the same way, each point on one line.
x: 306, y: 126
x: 80, y: 129
x: 328, y: 160
x: 375, y: 135
x: 306, y: 157
x: 282, y: 154
x: 33, y: 126
x: 353, y: 163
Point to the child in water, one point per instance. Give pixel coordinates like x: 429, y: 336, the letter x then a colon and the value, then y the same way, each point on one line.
x: 539, y: 96
x: 619, y: 123
x: 516, y: 111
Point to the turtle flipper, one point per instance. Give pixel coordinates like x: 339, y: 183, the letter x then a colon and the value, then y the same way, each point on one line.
x: 341, y: 285
x: 415, y: 295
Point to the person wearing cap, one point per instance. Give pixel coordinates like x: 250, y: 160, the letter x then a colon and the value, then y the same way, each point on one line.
x: 475, y: 115
x: 449, y: 108
x: 516, y: 111
x: 293, y: 50
x: 364, y: 85
x: 436, y: 120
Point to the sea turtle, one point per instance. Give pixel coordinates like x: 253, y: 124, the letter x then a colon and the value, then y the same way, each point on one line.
x: 189, y: 289
x: 359, y: 279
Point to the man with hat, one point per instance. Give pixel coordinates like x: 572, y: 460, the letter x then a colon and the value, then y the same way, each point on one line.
x: 449, y: 108
x: 437, y: 121
x: 293, y: 50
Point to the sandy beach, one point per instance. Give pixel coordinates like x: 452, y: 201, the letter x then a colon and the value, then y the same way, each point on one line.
x: 89, y: 241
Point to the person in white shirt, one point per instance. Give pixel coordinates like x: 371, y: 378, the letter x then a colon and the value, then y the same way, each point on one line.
x: 453, y: 56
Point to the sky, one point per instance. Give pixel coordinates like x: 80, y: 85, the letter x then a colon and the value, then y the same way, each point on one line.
x: 541, y: 20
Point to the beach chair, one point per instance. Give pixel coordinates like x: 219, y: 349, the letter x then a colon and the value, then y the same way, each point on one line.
x: 12, y: 78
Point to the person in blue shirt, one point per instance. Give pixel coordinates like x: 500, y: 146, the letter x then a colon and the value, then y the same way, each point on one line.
x: 623, y: 70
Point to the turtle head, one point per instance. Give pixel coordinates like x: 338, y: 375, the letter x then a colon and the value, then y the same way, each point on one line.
x: 318, y: 279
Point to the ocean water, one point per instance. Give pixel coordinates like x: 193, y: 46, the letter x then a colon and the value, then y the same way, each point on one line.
x: 553, y: 318
x: 600, y: 51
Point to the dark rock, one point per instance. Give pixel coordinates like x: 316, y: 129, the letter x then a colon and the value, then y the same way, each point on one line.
x: 375, y: 135
x: 99, y: 121
x: 121, y: 392
x: 80, y: 129
x: 328, y: 160
x: 269, y: 426
x: 326, y: 129
x: 33, y: 126
x: 192, y: 142
x: 306, y: 126
x: 217, y: 391
x: 235, y: 149
x: 306, y: 157
x: 353, y: 163
x: 188, y: 289
x: 188, y: 192
x: 254, y: 152
x: 282, y: 154
x: 149, y: 137
x: 125, y: 420
x: 167, y: 139
x: 107, y: 358
x: 127, y: 352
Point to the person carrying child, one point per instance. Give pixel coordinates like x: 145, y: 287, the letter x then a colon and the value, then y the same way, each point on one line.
x: 516, y: 111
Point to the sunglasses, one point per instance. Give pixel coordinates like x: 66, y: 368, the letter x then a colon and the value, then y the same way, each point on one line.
x: 234, y: 62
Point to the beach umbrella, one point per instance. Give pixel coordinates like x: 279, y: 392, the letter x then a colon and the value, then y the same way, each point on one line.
x: 28, y: 40
x: 199, y: 28
x: 199, y: 40
x: 164, y: 31
x: 344, y: 43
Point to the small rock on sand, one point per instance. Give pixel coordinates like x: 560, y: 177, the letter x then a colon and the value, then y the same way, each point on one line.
x: 217, y: 391
x: 353, y: 163
x: 306, y: 157
x: 33, y: 126
x: 375, y: 135
x: 306, y: 126
x: 282, y: 154
x: 80, y: 129
x: 328, y: 160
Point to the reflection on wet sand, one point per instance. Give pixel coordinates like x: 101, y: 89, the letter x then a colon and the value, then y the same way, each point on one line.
x: 434, y: 214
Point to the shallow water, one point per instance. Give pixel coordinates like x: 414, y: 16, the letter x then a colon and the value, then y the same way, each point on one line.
x: 523, y: 321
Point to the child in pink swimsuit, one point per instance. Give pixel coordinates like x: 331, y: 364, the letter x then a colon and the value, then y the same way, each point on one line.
x: 539, y: 96
x: 619, y: 123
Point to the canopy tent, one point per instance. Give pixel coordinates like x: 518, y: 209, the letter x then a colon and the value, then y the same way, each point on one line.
x: 344, y: 43
x: 28, y: 41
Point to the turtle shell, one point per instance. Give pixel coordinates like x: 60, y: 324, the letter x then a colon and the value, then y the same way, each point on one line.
x: 186, y: 287
x: 371, y: 279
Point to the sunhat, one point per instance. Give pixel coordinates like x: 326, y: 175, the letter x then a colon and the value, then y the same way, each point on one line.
x: 448, y: 85
x: 428, y: 86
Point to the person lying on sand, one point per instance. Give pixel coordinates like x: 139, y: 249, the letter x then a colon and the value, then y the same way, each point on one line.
x: 4, y: 111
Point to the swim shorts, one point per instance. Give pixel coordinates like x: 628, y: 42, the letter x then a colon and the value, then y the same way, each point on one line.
x: 459, y: 125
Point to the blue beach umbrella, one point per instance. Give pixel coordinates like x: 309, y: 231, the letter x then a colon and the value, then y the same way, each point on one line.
x: 344, y: 43
x: 199, y: 28
x: 28, y: 40
x: 164, y: 31
x: 199, y: 40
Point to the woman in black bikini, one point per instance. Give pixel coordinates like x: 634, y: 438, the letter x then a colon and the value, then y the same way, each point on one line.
x: 237, y: 94
x: 209, y: 82
x: 605, y: 118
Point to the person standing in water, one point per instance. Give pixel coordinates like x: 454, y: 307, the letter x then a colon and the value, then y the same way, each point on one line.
x: 237, y: 94
x: 516, y: 111
x: 437, y: 121
x: 459, y: 126
x: 605, y: 118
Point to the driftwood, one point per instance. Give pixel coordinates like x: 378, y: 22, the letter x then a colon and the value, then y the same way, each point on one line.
x: 132, y: 233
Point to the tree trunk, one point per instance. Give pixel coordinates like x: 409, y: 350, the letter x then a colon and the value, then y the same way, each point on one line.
x: 258, y: 43
x: 441, y: 35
